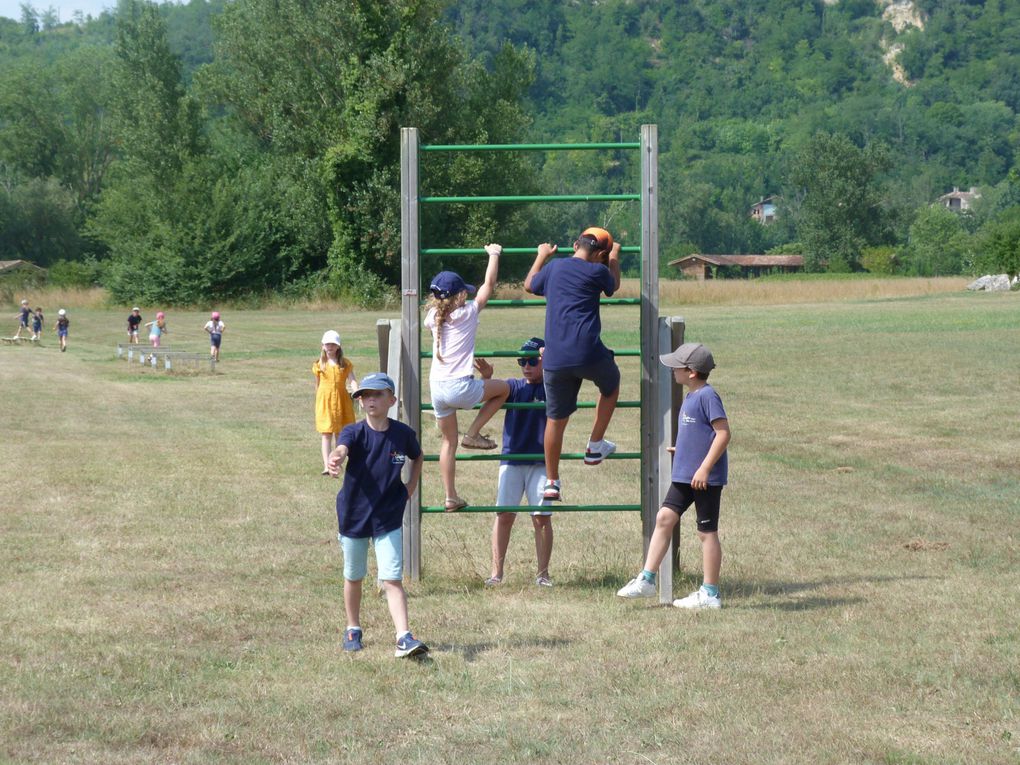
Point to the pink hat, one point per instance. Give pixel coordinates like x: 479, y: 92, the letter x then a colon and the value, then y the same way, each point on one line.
x: 216, y: 314
x: 159, y: 315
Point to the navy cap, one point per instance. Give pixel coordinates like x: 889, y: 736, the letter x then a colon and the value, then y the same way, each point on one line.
x: 375, y: 381
x: 533, y: 344
x: 446, y: 284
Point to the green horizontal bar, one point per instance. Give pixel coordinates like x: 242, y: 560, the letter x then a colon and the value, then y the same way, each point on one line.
x: 540, y: 198
x: 541, y: 405
x: 530, y: 457
x: 528, y: 302
x: 514, y: 354
x: 530, y: 146
x: 506, y: 250
x: 529, y: 509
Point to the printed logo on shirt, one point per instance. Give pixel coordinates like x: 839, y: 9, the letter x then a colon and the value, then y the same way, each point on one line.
x: 396, y: 458
x: 686, y: 419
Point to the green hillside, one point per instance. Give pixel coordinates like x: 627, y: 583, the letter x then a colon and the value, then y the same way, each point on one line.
x: 178, y: 152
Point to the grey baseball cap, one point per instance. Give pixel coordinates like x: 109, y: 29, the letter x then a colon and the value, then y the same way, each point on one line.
x: 375, y: 381
x: 690, y: 356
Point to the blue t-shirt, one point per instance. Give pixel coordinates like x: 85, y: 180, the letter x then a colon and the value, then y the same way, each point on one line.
x: 694, y: 437
x: 572, y: 287
x: 524, y: 429
x: 371, y: 501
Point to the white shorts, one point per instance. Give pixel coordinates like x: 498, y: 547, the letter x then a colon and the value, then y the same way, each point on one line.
x: 450, y: 395
x: 516, y: 481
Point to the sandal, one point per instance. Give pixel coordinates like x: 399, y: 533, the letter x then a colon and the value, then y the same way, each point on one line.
x: 492, y: 581
x: 477, y: 442
x: 453, y: 504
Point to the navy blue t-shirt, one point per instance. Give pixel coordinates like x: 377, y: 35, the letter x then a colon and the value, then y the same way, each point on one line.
x: 524, y: 429
x: 371, y: 501
x: 573, y: 327
x: 695, y: 434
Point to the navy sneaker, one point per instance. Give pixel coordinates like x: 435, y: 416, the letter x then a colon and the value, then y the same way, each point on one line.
x: 408, y: 645
x: 352, y: 639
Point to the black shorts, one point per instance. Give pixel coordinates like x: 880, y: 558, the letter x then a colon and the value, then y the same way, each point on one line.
x: 706, y: 503
x: 563, y: 385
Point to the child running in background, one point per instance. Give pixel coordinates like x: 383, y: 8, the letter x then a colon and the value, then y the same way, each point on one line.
x: 215, y: 329
x: 133, y: 322
x: 574, y: 351
x: 700, y: 470
x: 61, y: 326
x: 453, y: 320
x: 370, y: 507
x: 157, y: 329
x: 334, y: 379
x: 523, y: 433
x: 22, y: 316
x: 37, y: 323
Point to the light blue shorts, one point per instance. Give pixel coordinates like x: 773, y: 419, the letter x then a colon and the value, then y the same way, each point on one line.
x: 389, y: 555
x: 450, y: 395
x: 516, y: 481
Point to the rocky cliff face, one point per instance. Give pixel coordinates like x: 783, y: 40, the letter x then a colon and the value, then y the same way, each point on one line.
x: 902, y: 15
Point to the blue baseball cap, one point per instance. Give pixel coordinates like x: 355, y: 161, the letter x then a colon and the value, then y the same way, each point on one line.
x: 446, y: 284
x: 375, y: 381
x: 533, y: 344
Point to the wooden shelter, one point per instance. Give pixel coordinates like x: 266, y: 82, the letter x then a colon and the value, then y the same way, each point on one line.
x: 699, y: 266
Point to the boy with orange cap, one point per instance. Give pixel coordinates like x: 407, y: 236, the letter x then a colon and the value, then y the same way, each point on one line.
x: 574, y: 350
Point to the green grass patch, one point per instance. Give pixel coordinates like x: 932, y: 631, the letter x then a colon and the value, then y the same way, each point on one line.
x: 171, y: 581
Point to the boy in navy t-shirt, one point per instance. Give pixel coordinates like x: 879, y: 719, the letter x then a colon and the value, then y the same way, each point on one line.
x: 523, y: 433
x: 574, y: 350
x: 370, y: 506
x: 700, y: 470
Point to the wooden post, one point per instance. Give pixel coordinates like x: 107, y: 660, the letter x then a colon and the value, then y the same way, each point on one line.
x: 652, y: 435
x: 410, y: 338
x: 382, y: 335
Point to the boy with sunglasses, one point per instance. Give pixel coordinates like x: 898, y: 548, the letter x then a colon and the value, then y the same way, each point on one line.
x: 523, y: 433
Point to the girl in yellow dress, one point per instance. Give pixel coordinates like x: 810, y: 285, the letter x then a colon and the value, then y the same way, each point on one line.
x: 334, y: 379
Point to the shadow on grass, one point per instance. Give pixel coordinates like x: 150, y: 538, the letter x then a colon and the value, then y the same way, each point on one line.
x: 777, y: 593
x: 471, y: 651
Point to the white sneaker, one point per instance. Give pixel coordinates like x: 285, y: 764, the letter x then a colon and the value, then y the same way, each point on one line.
x: 638, y: 587
x: 593, y: 455
x: 699, y: 599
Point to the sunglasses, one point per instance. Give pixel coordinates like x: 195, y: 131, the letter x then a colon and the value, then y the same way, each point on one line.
x: 530, y: 362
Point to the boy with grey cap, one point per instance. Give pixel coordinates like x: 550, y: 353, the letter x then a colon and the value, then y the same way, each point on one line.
x: 699, y: 473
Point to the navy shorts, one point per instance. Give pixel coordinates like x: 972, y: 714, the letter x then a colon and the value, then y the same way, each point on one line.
x: 706, y: 503
x: 215, y: 338
x: 563, y: 385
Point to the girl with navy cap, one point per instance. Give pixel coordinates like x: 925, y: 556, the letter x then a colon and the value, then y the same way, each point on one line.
x: 453, y: 320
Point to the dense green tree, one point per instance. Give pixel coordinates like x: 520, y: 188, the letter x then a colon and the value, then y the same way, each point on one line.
x: 841, y: 208
x: 938, y: 243
x: 998, y: 245
x: 333, y: 82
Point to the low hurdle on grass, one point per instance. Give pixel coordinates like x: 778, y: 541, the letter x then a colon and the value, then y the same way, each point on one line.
x: 657, y: 390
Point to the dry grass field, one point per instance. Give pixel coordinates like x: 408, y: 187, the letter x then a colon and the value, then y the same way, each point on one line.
x: 170, y: 579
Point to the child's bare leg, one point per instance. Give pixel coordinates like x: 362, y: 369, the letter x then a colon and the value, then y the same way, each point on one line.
x: 554, y: 430
x: 327, y: 447
x: 396, y: 598
x: 665, y: 520
x: 501, y: 540
x: 711, y: 556
x: 543, y: 542
x: 494, y: 397
x: 603, y: 414
x: 448, y: 454
x: 352, y: 602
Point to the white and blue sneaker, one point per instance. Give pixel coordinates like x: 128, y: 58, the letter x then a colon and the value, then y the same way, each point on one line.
x: 598, y: 451
x: 699, y: 599
x: 638, y: 587
x: 408, y: 645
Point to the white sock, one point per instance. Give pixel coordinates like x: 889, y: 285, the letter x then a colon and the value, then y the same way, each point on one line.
x: 354, y: 627
x: 407, y: 633
x: 594, y: 444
